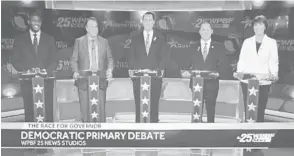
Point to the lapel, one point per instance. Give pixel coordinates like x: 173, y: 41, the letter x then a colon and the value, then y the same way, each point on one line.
x: 152, y: 44
x: 86, y: 47
x: 32, y: 49
x: 210, y: 50
x: 41, y: 44
x: 263, y: 42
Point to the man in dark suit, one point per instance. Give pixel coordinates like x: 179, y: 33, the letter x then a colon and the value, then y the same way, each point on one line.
x: 91, y: 52
x: 207, y: 54
x: 148, y: 51
x: 35, y: 49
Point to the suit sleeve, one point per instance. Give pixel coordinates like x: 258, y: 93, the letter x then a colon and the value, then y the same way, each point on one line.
x: 131, y: 56
x: 164, y: 55
x: 75, y: 57
x: 241, y: 62
x: 274, y: 60
x: 224, y: 63
x: 109, y: 57
x: 52, y: 60
x: 16, y: 58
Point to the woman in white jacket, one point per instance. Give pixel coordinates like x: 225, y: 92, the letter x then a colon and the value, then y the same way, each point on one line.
x: 259, y: 56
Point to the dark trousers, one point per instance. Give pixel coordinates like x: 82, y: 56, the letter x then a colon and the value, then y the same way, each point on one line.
x: 156, y: 85
x: 262, y: 100
x: 210, y: 92
x: 27, y: 93
x: 85, y: 106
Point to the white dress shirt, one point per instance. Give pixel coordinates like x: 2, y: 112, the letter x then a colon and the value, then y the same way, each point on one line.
x: 202, y: 42
x: 150, y: 36
x: 90, y: 51
x: 264, y: 62
x: 38, y: 36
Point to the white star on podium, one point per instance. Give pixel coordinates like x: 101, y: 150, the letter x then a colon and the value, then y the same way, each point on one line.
x: 38, y: 89
x: 145, y: 114
x: 94, y: 115
x: 248, y: 149
x: 93, y: 86
x: 197, y: 88
x: 145, y: 101
x: 40, y: 118
x: 39, y: 104
x: 251, y: 120
x: 253, y: 91
x: 252, y: 106
x: 145, y: 86
x: 196, y: 116
x: 197, y: 103
x: 94, y: 101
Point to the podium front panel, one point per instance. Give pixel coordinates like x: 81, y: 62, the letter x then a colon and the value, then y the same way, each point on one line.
x: 94, y: 99
x: 197, y: 99
x: 39, y: 99
x: 145, y: 87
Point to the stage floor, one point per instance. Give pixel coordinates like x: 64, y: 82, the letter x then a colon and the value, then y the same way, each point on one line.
x: 75, y: 152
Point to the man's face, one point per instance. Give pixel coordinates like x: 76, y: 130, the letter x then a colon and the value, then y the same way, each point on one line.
x: 148, y: 22
x: 35, y: 23
x: 205, y: 31
x: 92, y: 28
x: 259, y: 28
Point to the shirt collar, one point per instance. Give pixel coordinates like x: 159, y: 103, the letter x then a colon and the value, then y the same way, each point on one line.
x: 150, y: 32
x: 91, y: 38
x: 32, y: 33
x: 208, y: 42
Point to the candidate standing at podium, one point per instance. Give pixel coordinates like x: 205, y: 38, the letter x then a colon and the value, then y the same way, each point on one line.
x: 91, y: 52
x: 148, y: 50
x: 35, y: 49
x: 259, y: 55
x: 209, y: 55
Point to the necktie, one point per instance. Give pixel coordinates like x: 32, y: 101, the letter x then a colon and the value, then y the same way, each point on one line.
x: 205, y: 52
x: 35, y: 43
x: 147, y: 44
x: 94, y: 56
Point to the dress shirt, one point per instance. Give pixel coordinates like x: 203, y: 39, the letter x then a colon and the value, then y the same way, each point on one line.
x: 32, y: 36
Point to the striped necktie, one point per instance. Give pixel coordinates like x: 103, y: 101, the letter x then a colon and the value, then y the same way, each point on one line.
x: 205, y: 51
x: 35, y: 43
x: 147, y: 44
x: 94, y: 55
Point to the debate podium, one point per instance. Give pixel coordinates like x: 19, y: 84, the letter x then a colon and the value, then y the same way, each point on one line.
x: 38, y: 95
x: 147, y: 88
x: 197, y: 82
x: 94, y: 85
x: 252, y: 99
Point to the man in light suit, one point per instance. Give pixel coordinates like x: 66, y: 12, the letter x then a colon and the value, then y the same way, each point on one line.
x: 148, y: 51
x: 91, y: 52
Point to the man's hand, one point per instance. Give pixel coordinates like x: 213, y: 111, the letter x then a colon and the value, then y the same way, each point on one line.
x: 109, y: 74
x: 186, y: 74
x: 238, y: 76
x: 76, y: 75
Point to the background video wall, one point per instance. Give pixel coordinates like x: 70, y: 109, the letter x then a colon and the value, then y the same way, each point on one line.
x: 180, y: 28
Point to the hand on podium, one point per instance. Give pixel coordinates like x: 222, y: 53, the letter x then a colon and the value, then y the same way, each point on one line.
x: 76, y: 75
x: 185, y: 74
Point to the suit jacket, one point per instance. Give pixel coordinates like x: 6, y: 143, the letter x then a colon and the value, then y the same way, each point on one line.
x: 264, y: 61
x: 80, y: 59
x: 216, y: 59
x: 158, y: 52
x: 24, y: 56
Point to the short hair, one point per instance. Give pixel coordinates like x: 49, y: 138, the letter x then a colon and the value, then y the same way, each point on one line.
x: 35, y: 14
x: 92, y: 18
x: 149, y: 13
x: 260, y: 19
x: 205, y: 22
